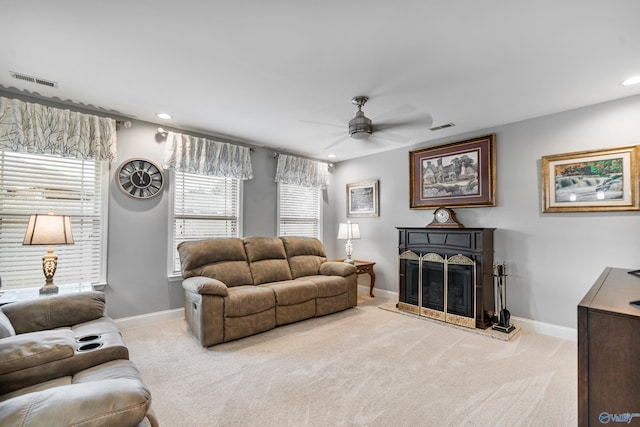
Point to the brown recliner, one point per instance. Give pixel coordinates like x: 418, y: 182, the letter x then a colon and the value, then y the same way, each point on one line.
x: 62, y: 362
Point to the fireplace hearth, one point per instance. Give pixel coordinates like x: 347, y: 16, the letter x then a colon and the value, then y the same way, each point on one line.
x: 445, y: 274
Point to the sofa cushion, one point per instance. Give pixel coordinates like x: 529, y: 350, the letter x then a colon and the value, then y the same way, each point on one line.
x: 6, y: 328
x: 267, y: 259
x: 306, y: 255
x: 36, y: 348
x: 293, y: 291
x: 329, y: 286
x: 246, y: 300
x: 55, y: 311
x: 223, y: 259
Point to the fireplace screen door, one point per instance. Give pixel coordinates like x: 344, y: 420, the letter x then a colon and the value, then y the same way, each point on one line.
x: 441, y: 288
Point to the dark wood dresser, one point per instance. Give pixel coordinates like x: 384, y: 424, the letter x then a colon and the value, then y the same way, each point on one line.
x: 609, y: 351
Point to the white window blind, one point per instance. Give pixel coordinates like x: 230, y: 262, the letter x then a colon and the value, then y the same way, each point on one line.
x: 203, y: 207
x: 34, y: 183
x: 298, y: 211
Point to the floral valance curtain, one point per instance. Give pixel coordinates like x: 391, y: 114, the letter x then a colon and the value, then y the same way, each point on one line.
x: 203, y: 156
x: 35, y: 128
x: 303, y: 172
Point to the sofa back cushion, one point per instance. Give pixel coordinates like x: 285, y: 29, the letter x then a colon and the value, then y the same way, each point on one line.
x: 55, y: 311
x: 305, y: 254
x: 6, y: 328
x: 267, y: 259
x: 223, y: 259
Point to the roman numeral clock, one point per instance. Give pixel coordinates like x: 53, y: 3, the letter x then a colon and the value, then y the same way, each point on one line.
x: 140, y: 178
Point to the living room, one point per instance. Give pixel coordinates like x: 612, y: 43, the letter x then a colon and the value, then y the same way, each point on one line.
x: 553, y: 259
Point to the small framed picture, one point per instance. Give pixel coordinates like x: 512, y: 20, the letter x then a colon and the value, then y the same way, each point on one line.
x: 600, y: 180
x: 363, y: 199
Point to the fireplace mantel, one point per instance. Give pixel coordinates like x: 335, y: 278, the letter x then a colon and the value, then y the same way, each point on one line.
x: 473, y: 243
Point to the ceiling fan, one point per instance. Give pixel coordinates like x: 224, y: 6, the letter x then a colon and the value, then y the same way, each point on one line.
x: 361, y: 127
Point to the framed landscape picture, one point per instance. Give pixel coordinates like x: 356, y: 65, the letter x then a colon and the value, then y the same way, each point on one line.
x: 600, y: 180
x: 460, y: 174
x: 363, y: 199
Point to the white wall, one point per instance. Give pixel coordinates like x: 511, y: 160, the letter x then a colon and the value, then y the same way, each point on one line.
x: 553, y: 259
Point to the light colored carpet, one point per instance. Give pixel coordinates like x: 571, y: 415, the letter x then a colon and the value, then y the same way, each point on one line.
x: 361, y: 367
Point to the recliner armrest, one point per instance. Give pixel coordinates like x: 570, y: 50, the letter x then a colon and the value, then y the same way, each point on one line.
x: 205, y: 286
x: 113, y: 402
x: 332, y: 268
x: 55, y: 311
x: 36, y: 348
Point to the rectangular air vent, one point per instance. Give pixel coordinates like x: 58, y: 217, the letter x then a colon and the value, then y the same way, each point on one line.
x: 37, y: 80
x: 448, y: 125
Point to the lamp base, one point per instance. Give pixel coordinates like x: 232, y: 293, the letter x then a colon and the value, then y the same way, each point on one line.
x: 48, y: 289
x: 349, y: 261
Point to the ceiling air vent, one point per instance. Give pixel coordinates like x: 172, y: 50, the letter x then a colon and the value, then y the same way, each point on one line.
x: 448, y: 125
x: 32, y: 79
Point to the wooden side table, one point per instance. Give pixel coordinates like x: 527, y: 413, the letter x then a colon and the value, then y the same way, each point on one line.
x: 365, y: 267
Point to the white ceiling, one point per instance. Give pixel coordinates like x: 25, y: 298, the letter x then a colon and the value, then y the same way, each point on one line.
x: 281, y: 73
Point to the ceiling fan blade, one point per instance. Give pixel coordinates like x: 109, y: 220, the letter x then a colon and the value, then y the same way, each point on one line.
x: 401, y: 111
x: 335, y: 125
x: 394, y: 137
x: 339, y: 141
x: 422, y: 121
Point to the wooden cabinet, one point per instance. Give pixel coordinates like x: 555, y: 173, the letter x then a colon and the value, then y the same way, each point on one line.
x: 609, y: 351
x: 474, y: 243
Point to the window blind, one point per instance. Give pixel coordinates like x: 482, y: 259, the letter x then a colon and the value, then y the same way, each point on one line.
x: 298, y: 211
x: 34, y: 183
x: 203, y: 207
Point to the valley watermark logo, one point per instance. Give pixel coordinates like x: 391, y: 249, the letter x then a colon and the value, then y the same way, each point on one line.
x: 627, y: 417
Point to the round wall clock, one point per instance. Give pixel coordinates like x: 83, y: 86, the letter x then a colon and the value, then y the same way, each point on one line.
x: 445, y: 217
x: 140, y: 178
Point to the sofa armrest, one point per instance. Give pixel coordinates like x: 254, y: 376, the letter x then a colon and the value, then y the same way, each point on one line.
x: 36, y: 348
x: 205, y: 286
x: 331, y: 268
x: 55, y: 311
x: 114, y: 402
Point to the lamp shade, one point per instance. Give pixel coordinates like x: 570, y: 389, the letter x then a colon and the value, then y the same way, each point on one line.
x: 48, y: 230
x: 348, y: 230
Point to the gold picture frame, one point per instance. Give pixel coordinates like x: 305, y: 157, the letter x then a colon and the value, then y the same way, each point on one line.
x: 459, y: 174
x: 591, y: 181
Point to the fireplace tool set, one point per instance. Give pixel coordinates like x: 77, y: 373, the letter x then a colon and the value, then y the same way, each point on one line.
x: 500, y: 284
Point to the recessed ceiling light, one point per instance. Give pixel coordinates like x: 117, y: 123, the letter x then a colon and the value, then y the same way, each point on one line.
x: 631, y: 81
x: 331, y: 156
x: 164, y: 116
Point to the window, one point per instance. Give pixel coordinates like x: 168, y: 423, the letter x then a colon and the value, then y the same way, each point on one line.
x: 299, y: 211
x: 34, y: 183
x: 203, y: 207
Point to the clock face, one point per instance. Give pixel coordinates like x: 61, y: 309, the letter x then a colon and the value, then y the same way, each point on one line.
x: 140, y: 178
x: 442, y: 215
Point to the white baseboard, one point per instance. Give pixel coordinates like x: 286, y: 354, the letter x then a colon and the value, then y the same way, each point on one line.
x: 150, y: 318
x: 543, y: 328
x: 549, y: 329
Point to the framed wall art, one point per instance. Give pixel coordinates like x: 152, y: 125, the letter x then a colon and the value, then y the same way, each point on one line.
x: 363, y: 199
x: 600, y: 180
x: 459, y: 174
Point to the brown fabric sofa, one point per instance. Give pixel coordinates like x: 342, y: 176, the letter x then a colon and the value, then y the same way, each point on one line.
x: 239, y: 287
x: 63, y: 362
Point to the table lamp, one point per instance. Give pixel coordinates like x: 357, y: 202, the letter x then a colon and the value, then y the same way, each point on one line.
x: 49, y: 230
x: 348, y: 231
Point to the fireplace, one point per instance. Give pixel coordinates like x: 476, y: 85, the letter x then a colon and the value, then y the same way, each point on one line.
x: 446, y: 274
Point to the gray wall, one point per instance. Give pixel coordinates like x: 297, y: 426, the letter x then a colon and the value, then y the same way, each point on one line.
x: 553, y: 258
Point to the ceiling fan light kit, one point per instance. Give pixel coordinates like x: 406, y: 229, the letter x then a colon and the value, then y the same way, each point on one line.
x: 360, y: 126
